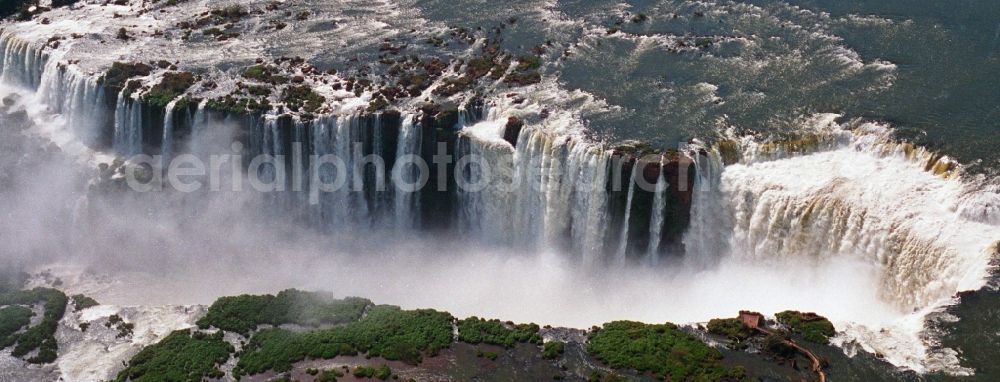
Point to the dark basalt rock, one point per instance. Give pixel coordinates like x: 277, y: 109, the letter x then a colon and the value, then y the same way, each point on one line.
x: 650, y: 170
x: 63, y: 3
x: 10, y: 100
x: 438, y: 199
x: 11, y: 7
x: 21, y: 9
x: 17, y: 119
x: 512, y: 130
x: 123, y: 35
x: 678, y: 172
x: 118, y: 79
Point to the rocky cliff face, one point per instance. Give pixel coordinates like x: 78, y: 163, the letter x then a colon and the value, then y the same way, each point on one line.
x: 411, y: 96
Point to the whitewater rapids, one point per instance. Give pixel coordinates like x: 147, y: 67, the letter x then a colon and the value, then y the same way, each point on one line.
x: 904, y: 222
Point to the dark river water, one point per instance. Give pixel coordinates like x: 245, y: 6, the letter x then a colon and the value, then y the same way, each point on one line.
x: 673, y: 70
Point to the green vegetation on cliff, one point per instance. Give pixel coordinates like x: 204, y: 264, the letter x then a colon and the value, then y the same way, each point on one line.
x: 181, y: 356
x: 266, y: 74
x: 553, y: 349
x: 526, y: 72
x: 812, y: 327
x: 243, y: 314
x: 120, y: 72
x: 731, y: 328
x: 238, y: 105
x: 476, y: 330
x: 664, y: 350
x: 355, y: 327
x: 81, y: 302
x: 40, y: 337
x: 386, y: 332
x: 302, y: 97
x: 170, y: 87
x: 12, y: 319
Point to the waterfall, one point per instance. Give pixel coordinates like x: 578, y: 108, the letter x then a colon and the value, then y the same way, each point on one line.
x: 594, y: 195
x: 381, y: 199
x: 269, y: 146
x: 463, y: 118
x: 406, y: 204
x: 71, y: 103
x: 21, y: 64
x: 656, y: 218
x: 77, y: 97
x: 706, y: 240
x: 833, y: 190
x: 345, y: 193
x: 483, y: 191
x: 623, y: 238
x: 350, y: 138
x: 863, y: 196
x: 338, y: 137
x: 531, y: 164
x: 199, y: 122
x: 128, y: 125
x: 550, y: 189
x: 928, y: 252
x: 168, y: 133
x: 547, y: 191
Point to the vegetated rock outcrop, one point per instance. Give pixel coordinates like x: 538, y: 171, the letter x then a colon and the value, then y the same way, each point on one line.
x: 665, y: 350
x: 35, y: 343
x: 812, y: 327
x: 308, y: 335
x: 180, y: 356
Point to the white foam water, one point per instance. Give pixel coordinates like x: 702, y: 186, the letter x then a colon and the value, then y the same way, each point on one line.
x: 535, y: 192
x: 862, y: 197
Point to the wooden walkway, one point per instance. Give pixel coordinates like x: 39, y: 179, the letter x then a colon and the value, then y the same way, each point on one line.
x: 816, y: 367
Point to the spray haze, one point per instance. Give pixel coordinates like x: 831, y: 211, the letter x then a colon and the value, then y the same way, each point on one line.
x: 842, y: 218
x: 169, y: 247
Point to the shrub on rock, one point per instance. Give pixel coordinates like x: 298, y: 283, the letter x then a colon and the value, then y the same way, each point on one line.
x: 170, y: 87
x: 731, y: 328
x: 120, y: 72
x: 553, y: 349
x: 476, y: 330
x: 812, y: 327
x: 665, y: 350
x: 181, y: 356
